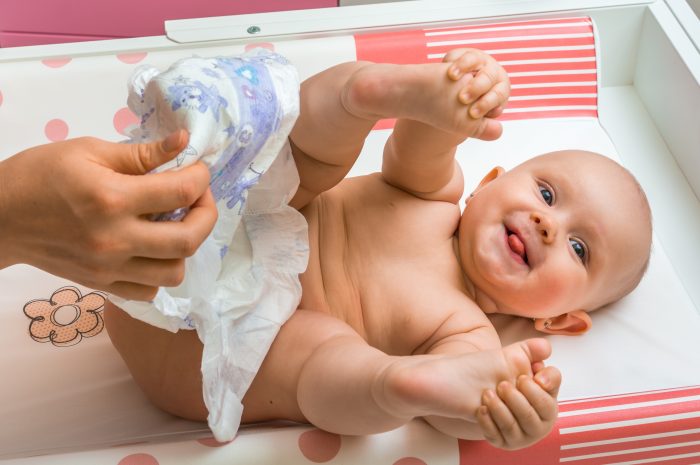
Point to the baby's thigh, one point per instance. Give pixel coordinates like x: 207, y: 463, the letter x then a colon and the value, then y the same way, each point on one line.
x: 165, y: 365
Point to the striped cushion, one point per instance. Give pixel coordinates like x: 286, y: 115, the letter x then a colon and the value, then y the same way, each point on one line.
x: 551, y: 62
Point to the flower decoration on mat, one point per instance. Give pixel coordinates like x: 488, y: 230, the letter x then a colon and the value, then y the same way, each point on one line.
x: 66, y: 317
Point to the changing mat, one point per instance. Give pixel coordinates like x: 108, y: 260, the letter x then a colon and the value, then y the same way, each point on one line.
x: 625, y: 397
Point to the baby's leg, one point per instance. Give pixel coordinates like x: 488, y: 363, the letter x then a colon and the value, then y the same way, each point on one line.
x: 340, y: 105
x: 451, y: 386
x: 326, y: 138
x: 320, y: 370
x: 165, y: 365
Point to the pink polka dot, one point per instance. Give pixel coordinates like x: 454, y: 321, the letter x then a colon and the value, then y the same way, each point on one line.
x: 138, y: 459
x: 211, y: 442
x: 56, y: 130
x: 266, y: 45
x: 56, y: 62
x: 124, y: 119
x: 131, y: 58
x: 319, y: 446
x: 409, y: 461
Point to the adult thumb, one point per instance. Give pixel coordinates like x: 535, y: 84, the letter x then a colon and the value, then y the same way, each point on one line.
x: 142, y: 158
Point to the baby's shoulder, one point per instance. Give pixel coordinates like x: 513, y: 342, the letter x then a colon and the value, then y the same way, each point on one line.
x: 455, y: 316
x: 371, y: 195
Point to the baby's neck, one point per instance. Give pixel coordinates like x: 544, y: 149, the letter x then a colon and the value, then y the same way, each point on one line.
x: 485, y: 303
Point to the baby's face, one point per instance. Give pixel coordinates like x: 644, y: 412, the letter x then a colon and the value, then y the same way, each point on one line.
x: 561, y: 232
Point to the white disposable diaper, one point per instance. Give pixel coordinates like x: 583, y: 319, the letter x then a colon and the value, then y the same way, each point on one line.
x: 242, y: 284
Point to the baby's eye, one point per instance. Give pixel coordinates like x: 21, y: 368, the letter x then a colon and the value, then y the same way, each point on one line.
x: 547, y: 195
x: 579, y: 248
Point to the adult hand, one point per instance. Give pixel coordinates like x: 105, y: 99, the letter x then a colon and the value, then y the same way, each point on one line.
x: 80, y: 209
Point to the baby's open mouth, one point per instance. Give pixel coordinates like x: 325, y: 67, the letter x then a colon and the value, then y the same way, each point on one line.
x: 516, y: 245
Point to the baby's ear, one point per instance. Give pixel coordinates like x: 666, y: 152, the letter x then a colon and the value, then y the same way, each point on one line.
x: 490, y: 176
x: 569, y: 324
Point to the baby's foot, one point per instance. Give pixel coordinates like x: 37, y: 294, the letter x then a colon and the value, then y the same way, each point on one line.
x: 488, y: 91
x: 430, y: 93
x: 451, y: 385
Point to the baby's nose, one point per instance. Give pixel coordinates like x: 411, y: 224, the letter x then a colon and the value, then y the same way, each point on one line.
x: 545, y: 226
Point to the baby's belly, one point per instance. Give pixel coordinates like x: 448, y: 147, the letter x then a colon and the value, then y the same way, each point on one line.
x: 328, y: 284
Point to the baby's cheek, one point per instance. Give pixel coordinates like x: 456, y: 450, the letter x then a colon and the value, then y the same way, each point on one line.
x: 559, y: 289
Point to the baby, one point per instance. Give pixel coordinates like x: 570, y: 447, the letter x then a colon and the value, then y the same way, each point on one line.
x: 392, y: 320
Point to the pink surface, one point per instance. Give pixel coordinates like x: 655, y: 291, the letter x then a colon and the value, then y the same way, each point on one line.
x: 552, y: 77
x: 53, y: 21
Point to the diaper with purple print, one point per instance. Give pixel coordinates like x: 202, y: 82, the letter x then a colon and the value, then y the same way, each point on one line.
x: 242, y: 283
x: 236, y: 109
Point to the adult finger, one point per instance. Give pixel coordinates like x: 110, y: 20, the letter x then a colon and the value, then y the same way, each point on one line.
x: 152, y: 272
x: 176, y: 239
x: 167, y: 191
x: 142, y: 158
x: 132, y: 291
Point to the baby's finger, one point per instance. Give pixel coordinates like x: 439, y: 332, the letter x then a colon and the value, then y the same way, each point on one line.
x: 524, y: 414
x: 476, y: 88
x: 493, y: 98
x: 455, y: 53
x: 488, y: 129
x: 488, y: 427
x: 537, y: 366
x: 549, y: 379
x: 495, y: 113
x: 503, y: 418
x: 544, y: 405
x: 468, y: 62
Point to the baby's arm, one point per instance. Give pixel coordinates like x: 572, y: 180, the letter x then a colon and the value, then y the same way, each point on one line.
x: 450, y: 102
x: 515, y: 414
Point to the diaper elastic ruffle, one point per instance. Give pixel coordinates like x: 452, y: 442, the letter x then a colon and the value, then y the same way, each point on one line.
x: 242, y: 284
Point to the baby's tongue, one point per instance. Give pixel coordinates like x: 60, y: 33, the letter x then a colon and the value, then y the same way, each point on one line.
x: 516, y: 245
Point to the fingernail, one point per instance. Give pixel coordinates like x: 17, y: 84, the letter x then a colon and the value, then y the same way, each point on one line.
x: 502, y: 386
x: 542, y: 379
x: 522, y: 379
x: 489, y: 395
x: 475, y: 112
x: 172, y: 142
x: 454, y: 72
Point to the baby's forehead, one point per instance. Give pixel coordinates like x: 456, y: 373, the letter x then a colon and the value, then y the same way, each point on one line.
x: 572, y: 159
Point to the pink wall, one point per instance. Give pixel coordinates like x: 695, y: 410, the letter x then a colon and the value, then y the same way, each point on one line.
x: 30, y: 22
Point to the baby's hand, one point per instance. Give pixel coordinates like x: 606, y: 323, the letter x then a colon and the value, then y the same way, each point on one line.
x: 516, y: 417
x: 487, y: 85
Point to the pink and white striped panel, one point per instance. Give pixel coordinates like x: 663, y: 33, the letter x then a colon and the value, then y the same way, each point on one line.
x: 658, y: 427
x: 551, y: 62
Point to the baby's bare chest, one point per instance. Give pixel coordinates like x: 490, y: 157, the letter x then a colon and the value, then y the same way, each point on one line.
x: 383, y: 262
